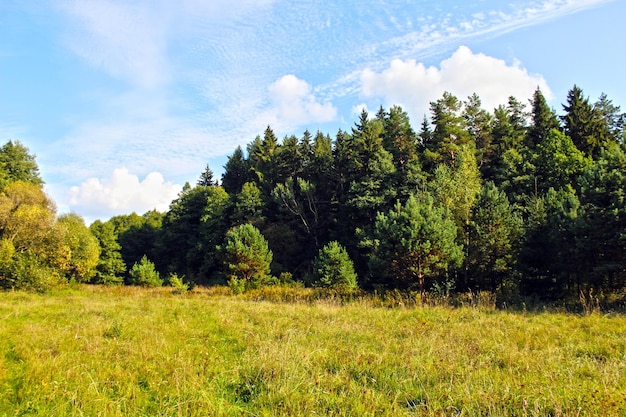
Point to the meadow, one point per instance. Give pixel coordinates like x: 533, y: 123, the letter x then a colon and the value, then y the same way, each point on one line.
x: 120, y: 351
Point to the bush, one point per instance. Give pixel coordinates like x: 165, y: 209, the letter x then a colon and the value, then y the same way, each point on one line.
x: 177, y: 283
x: 144, y: 274
x: 247, y: 258
x: 333, y: 268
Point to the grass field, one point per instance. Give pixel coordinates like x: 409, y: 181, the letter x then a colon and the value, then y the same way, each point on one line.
x: 133, y: 352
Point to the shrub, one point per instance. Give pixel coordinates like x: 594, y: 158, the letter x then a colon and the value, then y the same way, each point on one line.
x: 144, y: 274
x: 333, y: 268
x: 177, y: 283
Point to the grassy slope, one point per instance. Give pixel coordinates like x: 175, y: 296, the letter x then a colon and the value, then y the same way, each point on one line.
x: 132, y: 352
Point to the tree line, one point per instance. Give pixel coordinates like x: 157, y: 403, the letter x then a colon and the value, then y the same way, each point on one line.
x: 517, y: 201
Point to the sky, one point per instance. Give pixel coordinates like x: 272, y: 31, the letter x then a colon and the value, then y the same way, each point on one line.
x: 124, y: 101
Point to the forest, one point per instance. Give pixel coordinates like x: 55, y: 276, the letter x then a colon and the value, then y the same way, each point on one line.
x: 520, y: 202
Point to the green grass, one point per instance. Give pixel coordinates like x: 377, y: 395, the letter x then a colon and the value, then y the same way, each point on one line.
x: 136, y: 352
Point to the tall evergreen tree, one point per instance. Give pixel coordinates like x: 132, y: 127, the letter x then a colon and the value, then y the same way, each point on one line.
x: 543, y: 118
x: 206, y: 178
x: 236, y: 172
x: 450, y: 131
x: 494, y: 237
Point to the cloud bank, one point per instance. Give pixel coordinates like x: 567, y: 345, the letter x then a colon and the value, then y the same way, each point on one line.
x: 122, y: 193
x: 413, y: 85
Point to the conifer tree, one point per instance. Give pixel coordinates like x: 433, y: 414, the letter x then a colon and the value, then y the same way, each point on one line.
x: 543, y: 118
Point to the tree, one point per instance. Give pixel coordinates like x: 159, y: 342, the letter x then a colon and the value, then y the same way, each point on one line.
x: 585, y: 123
x: 248, y: 205
x: 203, y: 259
x: 333, y: 267
x: 139, y: 236
x: 247, y: 257
x: 479, y: 123
x: 550, y: 259
x: 412, y: 243
x: 144, y: 274
x: 456, y: 187
x: 558, y: 161
x: 612, y: 120
x: 450, y: 131
x: 298, y: 199
x: 30, y: 239
x: 543, y: 120
x: 263, y: 161
x: 602, y: 237
x: 236, y: 172
x: 508, y: 132
x: 111, y: 267
x: 289, y: 160
x: 399, y: 139
x: 17, y: 164
x: 182, y: 232
x: 206, y: 178
x: 80, y: 246
x: 494, y: 231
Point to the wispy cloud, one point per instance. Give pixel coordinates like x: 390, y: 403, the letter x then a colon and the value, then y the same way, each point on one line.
x: 194, y: 78
x: 427, y: 35
x: 127, y: 40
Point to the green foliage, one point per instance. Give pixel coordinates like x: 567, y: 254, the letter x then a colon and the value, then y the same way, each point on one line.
x: 248, y: 205
x: 178, y: 284
x: 194, y: 226
x: 111, y: 267
x: 333, y: 267
x: 558, y: 162
x: 31, y: 241
x: 413, y: 242
x: 601, y: 236
x: 247, y: 257
x: 81, y: 247
x: 544, y: 119
x: 494, y: 234
x: 236, y: 172
x: 144, y: 274
x: 17, y: 164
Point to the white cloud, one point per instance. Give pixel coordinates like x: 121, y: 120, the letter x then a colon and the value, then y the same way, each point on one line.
x: 122, y: 193
x: 294, y: 104
x: 413, y: 86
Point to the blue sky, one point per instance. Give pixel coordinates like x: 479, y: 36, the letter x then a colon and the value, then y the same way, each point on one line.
x: 125, y: 101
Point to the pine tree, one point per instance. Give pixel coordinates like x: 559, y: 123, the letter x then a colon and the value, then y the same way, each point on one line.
x: 247, y: 257
x: 543, y: 120
x: 144, y: 274
x: 206, y: 178
x: 413, y: 243
x: 333, y: 268
x: 236, y: 172
x: 494, y: 234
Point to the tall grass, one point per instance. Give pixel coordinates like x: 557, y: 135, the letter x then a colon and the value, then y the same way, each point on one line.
x: 139, y: 352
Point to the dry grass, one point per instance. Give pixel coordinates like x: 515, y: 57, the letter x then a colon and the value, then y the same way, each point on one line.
x: 134, y: 352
